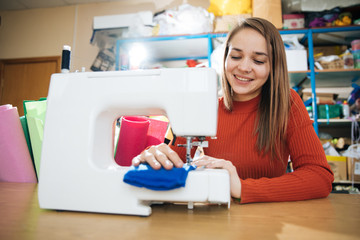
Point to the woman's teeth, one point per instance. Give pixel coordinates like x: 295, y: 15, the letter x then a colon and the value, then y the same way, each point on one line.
x: 243, y: 79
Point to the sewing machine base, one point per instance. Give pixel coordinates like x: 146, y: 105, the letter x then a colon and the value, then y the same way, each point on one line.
x: 116, y: 197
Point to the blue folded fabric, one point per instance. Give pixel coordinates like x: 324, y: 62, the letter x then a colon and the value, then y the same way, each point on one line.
x: 145, y: 176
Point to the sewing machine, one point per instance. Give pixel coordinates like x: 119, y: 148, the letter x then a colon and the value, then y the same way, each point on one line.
x: 78, y: 171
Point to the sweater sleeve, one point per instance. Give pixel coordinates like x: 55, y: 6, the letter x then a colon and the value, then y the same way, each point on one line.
x: 312, y: 176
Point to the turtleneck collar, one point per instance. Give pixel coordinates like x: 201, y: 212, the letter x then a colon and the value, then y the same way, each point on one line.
x: 245, y: 106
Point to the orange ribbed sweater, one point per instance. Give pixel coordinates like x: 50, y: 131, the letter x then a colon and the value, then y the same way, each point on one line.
x: 263, y: 179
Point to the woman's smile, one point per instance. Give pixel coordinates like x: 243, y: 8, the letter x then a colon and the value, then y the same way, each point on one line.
x: 243, y: 79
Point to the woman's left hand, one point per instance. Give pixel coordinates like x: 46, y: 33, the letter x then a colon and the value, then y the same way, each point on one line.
x: 210, y: 162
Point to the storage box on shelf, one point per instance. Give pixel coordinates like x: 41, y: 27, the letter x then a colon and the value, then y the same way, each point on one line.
x: 353, y: 169
x: 338, y: 165
x: 293, y: 21
x: 296, y: 60
x: 345, y: 169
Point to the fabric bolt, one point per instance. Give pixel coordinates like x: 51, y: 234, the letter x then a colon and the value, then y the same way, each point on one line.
x: 132, y: 139
x: 145, y: 176
x: 157, y: 131
x: 264, y: 179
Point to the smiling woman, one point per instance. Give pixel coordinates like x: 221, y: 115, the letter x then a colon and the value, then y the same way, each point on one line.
x: 261, y: 47
x: 261, y: 125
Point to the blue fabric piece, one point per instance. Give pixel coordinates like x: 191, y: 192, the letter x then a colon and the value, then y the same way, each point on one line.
x: 145, y: 176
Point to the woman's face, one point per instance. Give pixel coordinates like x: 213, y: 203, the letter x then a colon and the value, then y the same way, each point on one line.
x: 247, y: 64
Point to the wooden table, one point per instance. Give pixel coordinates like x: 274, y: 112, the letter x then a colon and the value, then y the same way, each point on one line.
x: 336, y: 217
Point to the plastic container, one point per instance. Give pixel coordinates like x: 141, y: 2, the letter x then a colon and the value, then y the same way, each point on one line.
x: 356, y: 55
x: 326, y: 111
x: 348, y: 59
x: 355, y: 45
x: 310, y: 111
x: 346, y: 109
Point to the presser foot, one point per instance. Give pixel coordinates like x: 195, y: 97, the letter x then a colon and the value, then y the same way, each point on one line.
x: 189, y: 144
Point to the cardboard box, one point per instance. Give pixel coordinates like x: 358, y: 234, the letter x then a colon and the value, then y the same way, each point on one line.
x: 292, y: 21
x: 268, y: 9
x: 321, y: 98
x: 296, y: 60
x: 339, y: 167
x: 122, y: 20
x: 353, y: 166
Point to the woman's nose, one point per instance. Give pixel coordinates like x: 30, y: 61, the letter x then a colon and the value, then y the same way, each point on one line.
x: 245, y: 65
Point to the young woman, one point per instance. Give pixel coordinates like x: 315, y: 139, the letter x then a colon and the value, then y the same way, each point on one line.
x: 261, y: 124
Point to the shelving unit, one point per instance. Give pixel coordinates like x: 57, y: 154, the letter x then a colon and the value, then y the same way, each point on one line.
x: 182, y: 47
x: 323, y: 78
x: 169, y: 48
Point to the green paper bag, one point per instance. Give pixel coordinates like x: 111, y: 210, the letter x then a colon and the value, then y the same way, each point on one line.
x: 27, y: 137
x: 35, y: 117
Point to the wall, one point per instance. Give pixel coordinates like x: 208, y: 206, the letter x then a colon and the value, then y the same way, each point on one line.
x: 43, y: 32
x: 35, y: 33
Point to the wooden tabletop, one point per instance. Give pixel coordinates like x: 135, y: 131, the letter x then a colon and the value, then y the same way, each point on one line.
x: 335, y: 217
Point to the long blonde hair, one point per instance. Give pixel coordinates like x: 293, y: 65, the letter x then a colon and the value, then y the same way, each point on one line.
x: 274, y: 106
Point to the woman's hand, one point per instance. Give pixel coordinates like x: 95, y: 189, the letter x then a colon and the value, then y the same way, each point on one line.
x: 157, y: 156
x: 210, y: 162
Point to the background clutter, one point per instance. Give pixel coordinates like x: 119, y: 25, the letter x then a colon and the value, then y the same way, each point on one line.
x: 186, y: 19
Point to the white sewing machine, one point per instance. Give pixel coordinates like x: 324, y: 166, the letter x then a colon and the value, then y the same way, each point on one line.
x: 78, y: 171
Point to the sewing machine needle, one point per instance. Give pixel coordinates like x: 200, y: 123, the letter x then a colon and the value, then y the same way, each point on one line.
x: 188, y: 150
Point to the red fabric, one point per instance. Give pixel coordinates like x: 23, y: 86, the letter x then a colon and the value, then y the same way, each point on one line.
x: 263, y: 179
x: 132, y: 139
x: 137, y: 133
x: 156, y: 132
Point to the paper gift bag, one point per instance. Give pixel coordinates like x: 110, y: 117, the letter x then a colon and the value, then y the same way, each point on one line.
x: 35, y: 118
x: 15, y: 161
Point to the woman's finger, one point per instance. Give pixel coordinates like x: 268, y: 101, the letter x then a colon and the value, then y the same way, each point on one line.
x: 151, y: 160
x: 209, y: 162
x: 171, y: 155
x: 157, y: 156
x: 163, y: 159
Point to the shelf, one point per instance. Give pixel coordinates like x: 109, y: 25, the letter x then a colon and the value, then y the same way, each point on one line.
x: 299, y: 78
x: 335, y: 127
x: 182, y: 47
x: 334, y: 122
x: 335, y: 35
x: 326, y: 78
x: 326, y: 35
x: 337, y: 78
x: 346, y: 182
x: 171, y: 48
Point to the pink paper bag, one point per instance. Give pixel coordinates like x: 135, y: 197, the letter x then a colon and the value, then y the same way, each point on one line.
x: 15, y: 161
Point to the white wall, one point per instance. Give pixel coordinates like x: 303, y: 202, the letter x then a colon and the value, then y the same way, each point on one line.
x: 43, y: 32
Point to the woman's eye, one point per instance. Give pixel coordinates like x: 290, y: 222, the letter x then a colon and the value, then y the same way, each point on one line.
x: 235, y: 57
x: 259, y: 62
